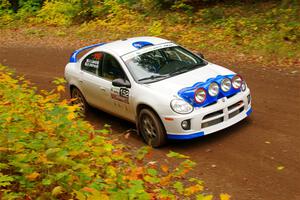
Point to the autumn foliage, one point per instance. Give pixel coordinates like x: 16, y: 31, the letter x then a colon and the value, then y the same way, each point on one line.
x: 48, y: 152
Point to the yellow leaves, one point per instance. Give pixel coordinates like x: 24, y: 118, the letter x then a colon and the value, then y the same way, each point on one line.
x: 33, y: 176
x: 71, y: 116
x: 224, y: 196
x: 204, y: 197
x: 93, y: 194
x: 156, y: 28
x: 60, y: 88
x: 279, y: 168
x: 73, y: 108
x: 111, y: 171
x: 57, y: 191
x: 194, y: 189
x: 42, y: 159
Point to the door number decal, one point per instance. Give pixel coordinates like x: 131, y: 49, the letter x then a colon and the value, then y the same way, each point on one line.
x: 124, y: 92
x: 120, y: 94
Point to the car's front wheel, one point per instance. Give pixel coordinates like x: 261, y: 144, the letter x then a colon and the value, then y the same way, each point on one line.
x: 151, y: 128
x: 79, y: 100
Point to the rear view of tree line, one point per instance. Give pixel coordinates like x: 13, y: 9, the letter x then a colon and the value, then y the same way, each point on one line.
x: 16, y: 4
x: 264, y: 27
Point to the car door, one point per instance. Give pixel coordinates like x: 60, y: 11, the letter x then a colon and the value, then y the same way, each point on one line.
x: 95, y: 89
x: 121, y: 96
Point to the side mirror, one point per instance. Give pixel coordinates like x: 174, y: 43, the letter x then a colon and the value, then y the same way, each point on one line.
x: 199, y: 54
x: 119, y: 82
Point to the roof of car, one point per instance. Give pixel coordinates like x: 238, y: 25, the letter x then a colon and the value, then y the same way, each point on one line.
x: 125, y: 46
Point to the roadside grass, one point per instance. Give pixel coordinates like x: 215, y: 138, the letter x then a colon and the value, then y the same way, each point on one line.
x: 264, y: 33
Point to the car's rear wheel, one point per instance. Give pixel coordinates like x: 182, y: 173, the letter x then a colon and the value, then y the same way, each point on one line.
x: 151, y: 128
x: 79, y: 100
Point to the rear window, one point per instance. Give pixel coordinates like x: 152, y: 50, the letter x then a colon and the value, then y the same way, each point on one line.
x: 92, y: 63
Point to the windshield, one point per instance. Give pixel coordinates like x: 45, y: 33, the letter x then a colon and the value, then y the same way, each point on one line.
x: 163, y: 63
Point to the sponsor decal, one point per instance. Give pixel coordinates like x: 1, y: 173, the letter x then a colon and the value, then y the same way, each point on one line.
x: 120, y: 94
x: 92, y: 63
x: 124, y: 92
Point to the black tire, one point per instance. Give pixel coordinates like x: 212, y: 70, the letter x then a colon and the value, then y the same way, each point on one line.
x: 151, y: 128
x: 80, y: 100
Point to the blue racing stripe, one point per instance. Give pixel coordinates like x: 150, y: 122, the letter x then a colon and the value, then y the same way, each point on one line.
x: 185, y: 137
x: 73, y: 58
x: 249, y: 112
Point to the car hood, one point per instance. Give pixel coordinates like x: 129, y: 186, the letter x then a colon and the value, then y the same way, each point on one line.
x: 171, y: 86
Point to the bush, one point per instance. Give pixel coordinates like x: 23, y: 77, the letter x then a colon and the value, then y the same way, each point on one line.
x: 61, y: 13
x: 28, y: 9
x: 48, y: 152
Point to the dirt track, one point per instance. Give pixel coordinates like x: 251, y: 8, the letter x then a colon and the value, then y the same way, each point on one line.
x: 241, y: 160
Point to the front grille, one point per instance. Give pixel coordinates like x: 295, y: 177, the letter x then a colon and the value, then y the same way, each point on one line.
x: 233, y: 106
x: 212, y: 118
x: 220, y: 116
x: 235, y: 109
x: 213, y: 114
x: 212, y: 122
x: 234, y: 113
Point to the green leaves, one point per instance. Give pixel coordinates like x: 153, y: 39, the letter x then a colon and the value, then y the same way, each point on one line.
x: 179, y: 187
x: 142, y: 152
x: 173, y: 154
x: 40, y: 147
x: 5, y: 180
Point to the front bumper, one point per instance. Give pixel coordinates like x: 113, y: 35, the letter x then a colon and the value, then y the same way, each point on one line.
x: 205, y: 120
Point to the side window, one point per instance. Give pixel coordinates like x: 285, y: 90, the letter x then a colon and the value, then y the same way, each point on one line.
x: 92, y: 63
x: 111, y: 68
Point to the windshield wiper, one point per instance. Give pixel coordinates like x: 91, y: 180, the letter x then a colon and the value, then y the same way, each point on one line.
x: 186, y: 69
x: 197, y: 65
x: 153, y: 77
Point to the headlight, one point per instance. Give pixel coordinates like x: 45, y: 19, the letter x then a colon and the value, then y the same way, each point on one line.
x: 237, y: 81
x: 200, y: 95
x: 226, y: 84
x: 213, y: 89
x: 180, y: 106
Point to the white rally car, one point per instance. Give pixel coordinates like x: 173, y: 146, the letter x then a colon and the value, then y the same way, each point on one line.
x: 168, y: 91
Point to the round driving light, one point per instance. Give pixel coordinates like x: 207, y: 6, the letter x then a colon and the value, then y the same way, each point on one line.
x: 237, y: 81
x: 200, y: 95
x: 244, y: 86
x: 226, y: 84
x: 213, y: 89
x: 186, y: 125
